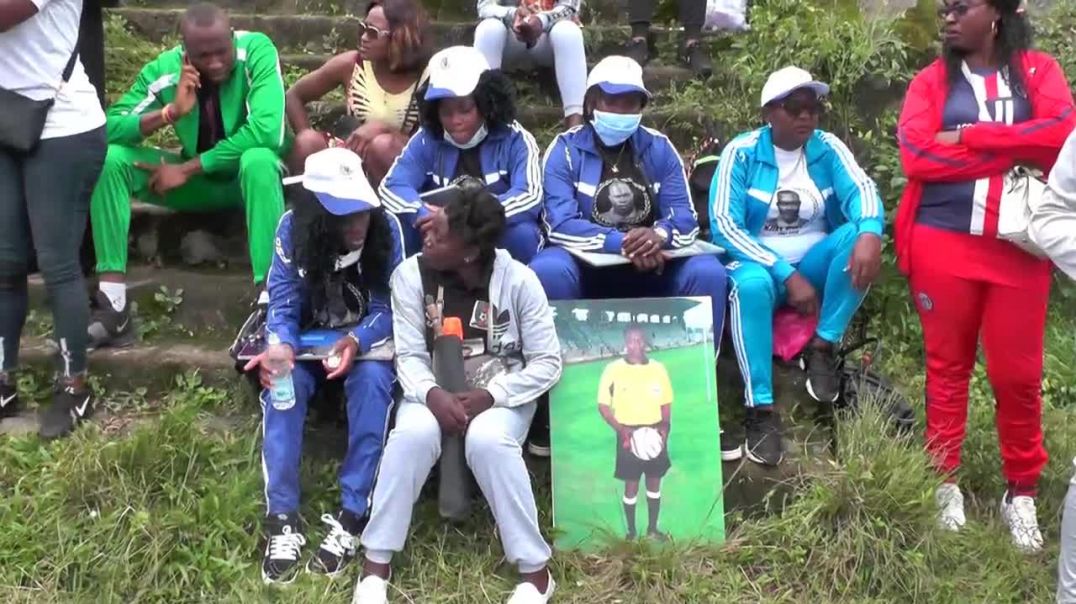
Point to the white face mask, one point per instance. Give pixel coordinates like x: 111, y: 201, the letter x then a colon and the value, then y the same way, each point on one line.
x: 479, y: 136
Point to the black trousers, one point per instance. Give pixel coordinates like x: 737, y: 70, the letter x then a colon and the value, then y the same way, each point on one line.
x: 692, y: 14
x: 45, y: 216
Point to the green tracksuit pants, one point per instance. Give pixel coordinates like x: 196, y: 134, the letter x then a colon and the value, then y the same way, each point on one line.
x: 256, y: 187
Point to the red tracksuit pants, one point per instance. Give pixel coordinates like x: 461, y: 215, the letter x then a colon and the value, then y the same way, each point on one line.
x: 966, y: 289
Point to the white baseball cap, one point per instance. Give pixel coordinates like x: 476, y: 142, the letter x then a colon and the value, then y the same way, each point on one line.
x: 617, y: 75
x: 787, y: 80
x: 454, y: 72
x: 335, y: 176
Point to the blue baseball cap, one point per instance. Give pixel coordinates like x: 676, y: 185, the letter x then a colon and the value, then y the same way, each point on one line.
x: 335, y: 176
x: 454, y: 72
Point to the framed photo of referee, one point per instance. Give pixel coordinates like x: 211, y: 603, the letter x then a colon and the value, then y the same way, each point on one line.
x: 634, y: 423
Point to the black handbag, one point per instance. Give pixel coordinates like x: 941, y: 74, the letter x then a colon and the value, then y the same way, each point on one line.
x: 22, y: 119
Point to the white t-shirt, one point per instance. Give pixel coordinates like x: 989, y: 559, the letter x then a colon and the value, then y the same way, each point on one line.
x: 33, y: 55
x: 797, y: 217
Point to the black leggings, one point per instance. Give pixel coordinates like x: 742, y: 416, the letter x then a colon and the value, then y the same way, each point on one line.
x: 44, y: 201
x: 692, y: 15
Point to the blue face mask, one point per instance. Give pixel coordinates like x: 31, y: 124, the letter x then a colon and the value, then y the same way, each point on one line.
x: 615, y: 128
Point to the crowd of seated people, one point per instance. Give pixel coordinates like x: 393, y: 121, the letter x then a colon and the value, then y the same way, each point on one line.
x: 374, y: 247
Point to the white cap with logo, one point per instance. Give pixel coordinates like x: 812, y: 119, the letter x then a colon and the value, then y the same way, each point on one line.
x: 335, y: 176
x: 617, y: 75
x: 454, y: 72
x: 787, y: 80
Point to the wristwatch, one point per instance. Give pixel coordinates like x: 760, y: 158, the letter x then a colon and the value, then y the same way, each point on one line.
x: 663, y: 234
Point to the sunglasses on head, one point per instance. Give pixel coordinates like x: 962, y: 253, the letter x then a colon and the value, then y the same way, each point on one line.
x: 796, y: 107
x: 369, y: 31
x: 959, y: 9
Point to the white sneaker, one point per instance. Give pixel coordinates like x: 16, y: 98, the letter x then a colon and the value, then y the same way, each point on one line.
x: 950, y: 507
x: 1019, y: 515
x: 371, y: 590
x: 527, y: 593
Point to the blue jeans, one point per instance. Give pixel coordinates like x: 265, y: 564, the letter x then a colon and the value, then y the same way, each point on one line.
x: 565, y: 278
x: 368, y: 390
x: 755, y: 295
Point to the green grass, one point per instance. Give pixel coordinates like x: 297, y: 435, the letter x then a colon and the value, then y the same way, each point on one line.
x: 588, y: 506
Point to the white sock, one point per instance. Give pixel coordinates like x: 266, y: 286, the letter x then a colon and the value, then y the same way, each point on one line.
x: 116, y: 293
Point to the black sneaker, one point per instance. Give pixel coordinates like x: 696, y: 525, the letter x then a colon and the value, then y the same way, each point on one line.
x: 338, y: 548
x: 538, y: 437
x: 108, y: 326
x: 283, y: 546
x: 764, y: 445
x: 823, y: 375
x: 69, y: 407
x: 638, y: 49
x: 9, y: 397
x: 731, y: 447
x: 696, y: 57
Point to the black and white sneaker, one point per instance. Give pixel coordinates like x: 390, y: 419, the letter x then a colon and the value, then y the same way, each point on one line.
x: 638, y: 49
x: 110, y: 327
x: 70, y: 406
x: 731, y: 447
x: 695, y: 56
x: 338, y: 548
x: 819, y: 360
x: 764, y: 445
x: 538, y: 437
x: 9, y: 396
x: 283, y: 546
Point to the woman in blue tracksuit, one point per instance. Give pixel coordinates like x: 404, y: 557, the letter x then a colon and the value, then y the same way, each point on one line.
x: 801, y: 224
x: 613, y: 186
x: 334, y: 254
x: 469, y: 129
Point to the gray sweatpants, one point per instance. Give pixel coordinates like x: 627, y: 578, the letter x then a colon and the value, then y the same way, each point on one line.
x: 495, y: 456
x: 1066, y: 562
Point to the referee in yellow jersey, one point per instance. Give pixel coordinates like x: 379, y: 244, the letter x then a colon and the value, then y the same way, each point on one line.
x: 635, y: 392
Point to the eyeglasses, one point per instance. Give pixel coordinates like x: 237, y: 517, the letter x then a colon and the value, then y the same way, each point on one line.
x: 795, y: 107
x: 369, y: 31
x: 959, y: 9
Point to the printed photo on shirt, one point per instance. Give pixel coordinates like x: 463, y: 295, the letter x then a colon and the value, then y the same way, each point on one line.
x: 634, y: 423
x: 622, y: 203
x: 791, y: 212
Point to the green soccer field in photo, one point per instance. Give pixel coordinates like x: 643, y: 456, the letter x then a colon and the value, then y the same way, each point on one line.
x: 587, y: 498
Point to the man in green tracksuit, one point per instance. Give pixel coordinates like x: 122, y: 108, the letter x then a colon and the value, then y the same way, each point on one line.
x: 223, y: 93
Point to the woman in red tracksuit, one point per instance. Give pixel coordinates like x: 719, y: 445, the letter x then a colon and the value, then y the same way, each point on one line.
x: 987, y: 104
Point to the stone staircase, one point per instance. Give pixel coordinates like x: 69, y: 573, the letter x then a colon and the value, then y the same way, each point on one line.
x: 192, y: 332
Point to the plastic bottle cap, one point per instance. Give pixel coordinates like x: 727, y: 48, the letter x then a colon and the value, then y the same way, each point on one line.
x: 452, y: 326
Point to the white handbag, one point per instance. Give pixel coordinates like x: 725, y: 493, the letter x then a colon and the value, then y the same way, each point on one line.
x: 1022, y: 194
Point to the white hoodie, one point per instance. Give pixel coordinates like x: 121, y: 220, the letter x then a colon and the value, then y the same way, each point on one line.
x: 1053, y: 222
x: 528, y: 343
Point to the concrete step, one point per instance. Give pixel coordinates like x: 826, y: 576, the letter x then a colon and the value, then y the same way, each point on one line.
x: 327, y: 33
x: 204, y: 306
x: 593, y: 10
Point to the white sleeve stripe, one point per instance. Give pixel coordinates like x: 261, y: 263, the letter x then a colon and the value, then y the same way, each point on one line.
x: 723, y: 221
x: 393, y: 202
x: 152, y: 91
x: 533, y: 195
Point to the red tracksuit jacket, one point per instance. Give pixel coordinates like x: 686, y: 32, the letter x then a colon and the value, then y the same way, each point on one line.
x: 985, y: 148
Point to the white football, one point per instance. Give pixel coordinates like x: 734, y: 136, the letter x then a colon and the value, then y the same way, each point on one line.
x: 646, y: 443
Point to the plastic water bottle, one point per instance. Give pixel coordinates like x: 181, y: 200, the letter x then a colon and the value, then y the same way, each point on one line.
x: 281, y: 390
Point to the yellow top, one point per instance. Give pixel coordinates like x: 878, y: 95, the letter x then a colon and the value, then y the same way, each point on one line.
x: 636, y: 393
x: 367, y: 100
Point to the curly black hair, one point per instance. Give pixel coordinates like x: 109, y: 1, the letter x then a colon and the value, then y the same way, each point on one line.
x: 495, y: 96
x: 316, y: 235
x: 477, y: 217
x: 1014, y: 35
